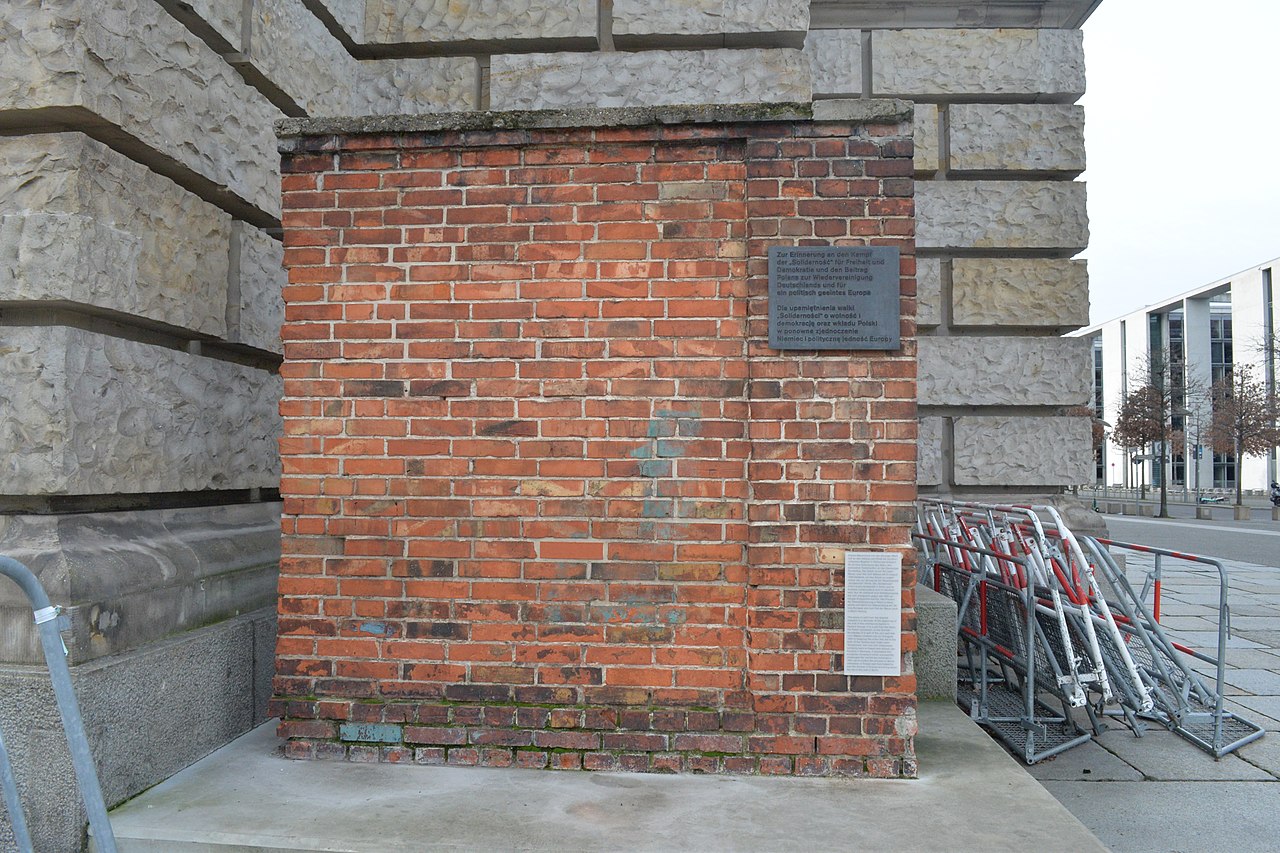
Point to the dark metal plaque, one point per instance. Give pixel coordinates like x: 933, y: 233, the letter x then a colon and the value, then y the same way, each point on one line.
x: 834, y: 297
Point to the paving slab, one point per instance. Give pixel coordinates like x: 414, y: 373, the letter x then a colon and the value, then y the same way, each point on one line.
x: 247, y: 798
x: 1162, y: 755
x: 1089, y: 762
x: 1267, y: 706
x: 1208, y: 640
x: 1264, y: 754
x: 1152, y: 817
x: 1260, y: 682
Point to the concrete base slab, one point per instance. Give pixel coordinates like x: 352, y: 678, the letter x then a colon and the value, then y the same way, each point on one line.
x: 1243, y: 513
x: 1204, y: 513
x: 246, y: 797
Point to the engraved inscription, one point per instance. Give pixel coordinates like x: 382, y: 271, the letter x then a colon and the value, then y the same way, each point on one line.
x: 833, y: 297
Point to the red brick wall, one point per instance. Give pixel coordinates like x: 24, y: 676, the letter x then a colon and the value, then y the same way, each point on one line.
x: 550, y: 499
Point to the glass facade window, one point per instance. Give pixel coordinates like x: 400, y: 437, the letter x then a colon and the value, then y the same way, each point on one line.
x: 1221, y: 350
x: 1099, y: 453
x: 1178, y: 393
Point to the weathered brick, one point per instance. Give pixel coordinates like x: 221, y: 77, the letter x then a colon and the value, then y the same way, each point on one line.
x: 584, y: 507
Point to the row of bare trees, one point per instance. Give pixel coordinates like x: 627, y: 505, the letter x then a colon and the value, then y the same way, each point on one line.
x: 1242, y: 417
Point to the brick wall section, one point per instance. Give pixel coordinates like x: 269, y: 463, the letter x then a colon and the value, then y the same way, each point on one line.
x: 550, y: 499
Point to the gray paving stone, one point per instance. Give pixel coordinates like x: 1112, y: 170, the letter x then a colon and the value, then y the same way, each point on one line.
x: 1207, y: 641
x: 1164, y: 756
x: 1260, y: 682
x: 1267, y: 706
x: 1264, y: 754
x: 1145, y: 817
x: 1088, y: 762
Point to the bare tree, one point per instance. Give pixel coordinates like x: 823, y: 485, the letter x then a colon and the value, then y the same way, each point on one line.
x: 1266, y: 347
x: 1244, y: 419
x: 1150, y: 412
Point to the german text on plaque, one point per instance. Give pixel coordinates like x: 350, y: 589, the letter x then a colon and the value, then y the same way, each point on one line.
x: 833, y: 297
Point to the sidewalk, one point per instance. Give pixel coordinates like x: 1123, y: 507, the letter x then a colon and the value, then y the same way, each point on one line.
x: 1158, y: 792
x: 245, y: 797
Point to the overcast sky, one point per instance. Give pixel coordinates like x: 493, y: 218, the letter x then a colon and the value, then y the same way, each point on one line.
x: 1182, y: 128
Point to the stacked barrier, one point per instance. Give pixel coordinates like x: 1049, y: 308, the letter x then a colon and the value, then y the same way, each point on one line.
x: 1046, y: 654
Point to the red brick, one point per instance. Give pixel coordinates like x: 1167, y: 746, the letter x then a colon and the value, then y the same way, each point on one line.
x: 558, y: 402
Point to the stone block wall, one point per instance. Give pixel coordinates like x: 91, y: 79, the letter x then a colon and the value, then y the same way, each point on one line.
x: 550, y: 498
x: 999, y: 142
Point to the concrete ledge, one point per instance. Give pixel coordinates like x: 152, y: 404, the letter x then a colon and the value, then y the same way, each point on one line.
x: 935, y: 657
x: 128, y: 579
x: 870, y: 110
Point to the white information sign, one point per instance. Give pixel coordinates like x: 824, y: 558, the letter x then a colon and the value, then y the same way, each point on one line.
x: 872, y: 613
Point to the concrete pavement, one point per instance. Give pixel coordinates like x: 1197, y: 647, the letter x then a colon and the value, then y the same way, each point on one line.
x: 246, y: 797
x: 1158, y: 792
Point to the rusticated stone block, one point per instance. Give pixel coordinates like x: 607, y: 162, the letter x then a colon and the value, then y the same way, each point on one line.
x: 489, y: 21
x: 292, y: 48
x: 1017, y: 138
x: 835, y: 61
x: 635, y: 20
x: 1022, y: 451
x: 929, y: 462
x: 928, y: 291
x: 1047, y: 65
x: 413, y: 86
x: 90, y: 226
x: 226, y: 17
x: 261, y: 285
x: 347, y: 14
x: 91, y: 414
x: 194, y: 108
x: 1003, y: 371
x: 649, y: 78
x: 1019, y: 292
x: 1002, y: 215
x: 928, y: 146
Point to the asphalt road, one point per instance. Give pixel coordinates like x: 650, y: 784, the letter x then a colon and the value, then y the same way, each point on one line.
x: 1247, y: 541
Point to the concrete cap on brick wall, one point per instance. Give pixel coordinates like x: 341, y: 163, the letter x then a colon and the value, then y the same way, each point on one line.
x: 844, y: 110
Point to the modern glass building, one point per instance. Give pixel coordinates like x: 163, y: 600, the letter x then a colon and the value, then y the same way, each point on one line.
x: 1202, y: 334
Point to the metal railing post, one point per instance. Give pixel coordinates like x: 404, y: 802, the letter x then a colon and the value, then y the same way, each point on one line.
x: 13, y: 803
x: 48, y: 623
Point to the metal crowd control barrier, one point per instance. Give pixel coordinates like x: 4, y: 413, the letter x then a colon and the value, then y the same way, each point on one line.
x: 50, y: 623
x: 1038, y: 632
x: 1186, y: 704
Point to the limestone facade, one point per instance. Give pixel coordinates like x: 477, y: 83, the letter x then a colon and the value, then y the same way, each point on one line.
x: 139, y: 211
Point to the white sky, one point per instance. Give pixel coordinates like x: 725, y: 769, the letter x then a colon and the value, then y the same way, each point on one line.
x: 1182, y: 130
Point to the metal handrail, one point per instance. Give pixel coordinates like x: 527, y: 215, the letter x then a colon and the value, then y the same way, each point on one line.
x: 50, y: 623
